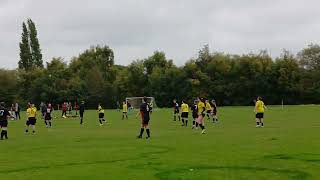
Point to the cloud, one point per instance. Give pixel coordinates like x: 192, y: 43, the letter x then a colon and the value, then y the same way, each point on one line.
x: 134, y: 29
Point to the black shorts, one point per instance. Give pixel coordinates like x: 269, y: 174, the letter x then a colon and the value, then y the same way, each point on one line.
x: 145, y: 120
x: 259, y: 115
x: 214, y: 113
x: 81, y: 114
x: 208, y: 111
x: 184, y: 114
x: 124, y: 112
x: 3, y: 123
x: 47, y: 117
x: 31, y: 121
x: 195, y: 115
x: 101, y: 115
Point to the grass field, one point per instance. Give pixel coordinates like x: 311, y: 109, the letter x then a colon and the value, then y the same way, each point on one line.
x: 287, y: 148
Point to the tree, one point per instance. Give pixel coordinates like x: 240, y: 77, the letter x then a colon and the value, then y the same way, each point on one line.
x: 34, y: 45
x: 25, y: 52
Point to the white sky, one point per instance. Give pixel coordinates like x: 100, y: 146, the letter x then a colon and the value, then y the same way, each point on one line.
x: 136, y: 28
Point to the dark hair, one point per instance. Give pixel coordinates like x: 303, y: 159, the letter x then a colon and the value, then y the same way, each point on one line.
x: 145, y: 99
x: 203, y: 100
x: 259, y: 98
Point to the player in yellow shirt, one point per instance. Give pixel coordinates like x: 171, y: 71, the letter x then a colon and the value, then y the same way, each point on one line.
x: 184, y: 113
x: 124, y: 110
x: 259, y: 110
x: 32, y: 118
x: 208, y: 109
x: 101, y: 114
x: 201, y: 114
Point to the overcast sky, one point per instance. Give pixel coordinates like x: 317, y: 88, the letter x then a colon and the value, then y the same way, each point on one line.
x: 136, y: 28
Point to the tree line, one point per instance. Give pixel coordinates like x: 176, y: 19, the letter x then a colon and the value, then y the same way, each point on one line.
x: 93, y: 76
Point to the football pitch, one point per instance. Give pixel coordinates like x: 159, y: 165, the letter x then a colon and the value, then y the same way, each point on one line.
x: 288, y: 147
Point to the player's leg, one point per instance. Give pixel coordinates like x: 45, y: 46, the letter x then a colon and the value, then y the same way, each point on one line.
x: 141, y: 130
x: 126, y: 115
x: 4, y: 132
x: 201, y: 123
x: 186, y: 119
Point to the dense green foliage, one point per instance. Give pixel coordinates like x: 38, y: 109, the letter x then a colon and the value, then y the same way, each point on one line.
x: 30, y: 52
x: 230, y: 79
x: 233, y: 149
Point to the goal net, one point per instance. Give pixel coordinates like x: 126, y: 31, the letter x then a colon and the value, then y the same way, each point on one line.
x: 135, y: 102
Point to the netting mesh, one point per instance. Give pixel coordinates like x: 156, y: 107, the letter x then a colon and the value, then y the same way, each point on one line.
x: 135, y: 102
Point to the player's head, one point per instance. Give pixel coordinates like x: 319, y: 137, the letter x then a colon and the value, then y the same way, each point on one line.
x: 202, y: 100
x: 259, y: 98
x: 195, y: 101
x: 183, y: 101
x: 145, y: 99
x: 2, y: 104
x: 174, y: 101
x: 49, y: 105
x: 32, y: 105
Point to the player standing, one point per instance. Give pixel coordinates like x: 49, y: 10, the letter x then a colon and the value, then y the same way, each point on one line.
x: 175, y: 110
x: 31, y: 114
x: 201, y: 114
x: 4, y: 114
x: 81, y: 111
x: 48, y: 115
x: 64, y: 110
x: 184, y: 113
x: 101, y: 114
x: 259, y: 110
x: 214, y: 111
x: 195, y: 116
x: 208, y: 109
x: 145, y: 117
x: 124, y: 110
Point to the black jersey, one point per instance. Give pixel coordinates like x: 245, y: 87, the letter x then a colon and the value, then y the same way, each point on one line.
x: 145, y: 111
x: 176, y: 107
x: 4, y: 113
x: 194, y: 109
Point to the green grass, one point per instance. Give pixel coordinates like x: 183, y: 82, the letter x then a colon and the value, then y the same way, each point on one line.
x: 287, y: 148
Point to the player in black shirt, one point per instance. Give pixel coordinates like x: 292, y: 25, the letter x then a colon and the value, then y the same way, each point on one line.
x: 81, y: 110
x: 145, y: 117
x: 175, y: 110
x: 194, y: 109
x: 4, y: 113
x: 214, y: 111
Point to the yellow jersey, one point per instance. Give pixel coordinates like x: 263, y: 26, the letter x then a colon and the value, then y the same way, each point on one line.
x: 208, y: 106
x: 184, y: 107
x: 124, y: 108
x: 201, y: 108
x: 259, y: 106
x: 32, y: 112
x: 100, y: 110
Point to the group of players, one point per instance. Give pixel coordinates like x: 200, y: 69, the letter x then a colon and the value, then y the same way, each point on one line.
x: 200, y: 109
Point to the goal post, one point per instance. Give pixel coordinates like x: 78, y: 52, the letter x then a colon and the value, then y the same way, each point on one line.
x: 135, y: 102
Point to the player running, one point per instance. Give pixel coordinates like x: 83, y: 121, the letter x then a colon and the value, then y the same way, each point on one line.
x: 31, y: 114
x: 175, y: 110
x: 145, y: 118
x: 48, y: 115
x: 201, y: 114
x: 4, y: 114
x: 101, y: 114
x: 214, y: 111
x: 124, y: 110
x: 185, y: 113
x: 195, y: 116
x: 259, y: 110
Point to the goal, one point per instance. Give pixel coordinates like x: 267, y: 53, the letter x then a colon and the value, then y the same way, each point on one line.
x: 135, y: 102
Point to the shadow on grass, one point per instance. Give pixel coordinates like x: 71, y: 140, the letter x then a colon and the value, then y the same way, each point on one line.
x: 306, y: 157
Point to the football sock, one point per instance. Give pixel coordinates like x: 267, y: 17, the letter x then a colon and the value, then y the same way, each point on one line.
x: 27, y: 130
x: 174, y: 118
x: 197, y: 124
x: 148, y: 132
x: 81, y: 120
x: 2, y: 134
x: 193, y: 122
x: 179, y: 118
x: 5, y: 132
x: 46, y: 123
x: 33, y: 131
x: 186, y: 122
x: 141, y: 131
x: 261, y: 124
x: 182, y: 120
x: 100, y: 121
x: 258, y: 123
x: 50, y: 124
x: 103, y: 120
